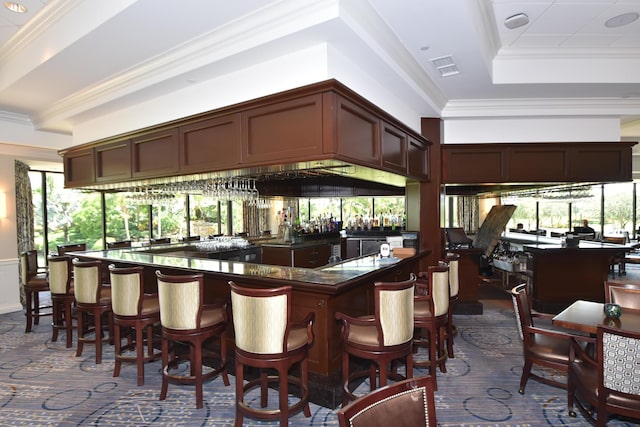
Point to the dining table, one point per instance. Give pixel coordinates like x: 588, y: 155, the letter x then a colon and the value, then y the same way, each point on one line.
x: 586, y: 316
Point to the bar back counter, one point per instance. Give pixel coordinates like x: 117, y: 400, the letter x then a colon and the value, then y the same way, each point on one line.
x: 345, y: 287
x: 560, y: 274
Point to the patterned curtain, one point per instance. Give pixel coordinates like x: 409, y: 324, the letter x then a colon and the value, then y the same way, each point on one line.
x: 468, y: 214
x: 24, y: 214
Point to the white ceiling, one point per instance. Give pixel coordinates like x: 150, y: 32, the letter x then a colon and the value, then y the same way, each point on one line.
x: 66, y: 62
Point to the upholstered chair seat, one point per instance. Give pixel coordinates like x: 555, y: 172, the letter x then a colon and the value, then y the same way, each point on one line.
x: 267, y: 339
x: 133, y: 310
x: 186, y: 319
x: 381, y: 338
x: 34, y: 281
x: 62, y: 297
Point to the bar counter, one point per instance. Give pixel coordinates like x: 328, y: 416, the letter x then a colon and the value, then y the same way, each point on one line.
x: 562, y: 275
x: 343, y: 287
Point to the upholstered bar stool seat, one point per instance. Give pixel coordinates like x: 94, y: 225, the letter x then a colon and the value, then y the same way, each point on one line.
x: 266, y: 338
x: 93, y: 300
x: 62, y: 297
x: 34, y: 282
x: 133, y: 310
x: 381, y: 338
x: 186, y: 319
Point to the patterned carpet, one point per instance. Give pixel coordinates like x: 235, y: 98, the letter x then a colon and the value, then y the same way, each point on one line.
x: 44, y: 384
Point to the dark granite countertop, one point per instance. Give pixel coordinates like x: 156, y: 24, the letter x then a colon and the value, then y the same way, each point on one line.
x: 329, y: 275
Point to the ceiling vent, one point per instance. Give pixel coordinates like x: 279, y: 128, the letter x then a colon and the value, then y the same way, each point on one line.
x: 445, y: 66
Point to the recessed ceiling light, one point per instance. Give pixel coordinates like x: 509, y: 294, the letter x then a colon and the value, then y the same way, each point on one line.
x: 15, y: 7
x: 516, y: 21
x: 622, y: 20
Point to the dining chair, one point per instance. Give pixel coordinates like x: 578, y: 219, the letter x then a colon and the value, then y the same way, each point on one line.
x: 609, y: 382
x: 267, y: 338
x: 34, y: 282
x: 406, y: 403
x: 541, y: 346
x: 380, y: 338
x: 626, y: 295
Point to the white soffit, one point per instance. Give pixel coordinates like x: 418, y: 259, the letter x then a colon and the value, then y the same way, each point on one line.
x: 569, y: 66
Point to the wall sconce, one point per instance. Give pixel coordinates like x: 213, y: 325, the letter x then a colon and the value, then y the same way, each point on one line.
x: 3, y: 205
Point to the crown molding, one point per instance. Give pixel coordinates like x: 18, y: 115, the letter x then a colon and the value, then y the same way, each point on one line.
x: 479, y: 108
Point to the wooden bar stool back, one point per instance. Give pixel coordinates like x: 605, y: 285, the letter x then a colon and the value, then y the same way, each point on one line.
x: 381, y: 338
x: 186, y: 319
x: 93, y: 300
x: 62, y: 297
x: 34, y: 282
x: 266, y: 337
x: 135, y: 310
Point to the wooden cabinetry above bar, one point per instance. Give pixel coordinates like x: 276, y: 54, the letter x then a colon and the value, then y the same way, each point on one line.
x: 536, y: 162
x: 324, y: 125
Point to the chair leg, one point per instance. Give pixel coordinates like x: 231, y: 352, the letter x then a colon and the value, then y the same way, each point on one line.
x: 68, y: 321
x: 139, y: 353
x: 165, y: 365
x: 97, y: 319
x: 264, y: 389
x: 345, y: 379
x: 36, y: 308
x: 304, y: 375
x: 29, y: 312
x: 81, y: 319
x: 197, y: 361
x: 118, y: 351
x: 56, y: 323
x: 239, y: 391
x: 283, y: 394
x: 450, y: 335
x: 526, y: 371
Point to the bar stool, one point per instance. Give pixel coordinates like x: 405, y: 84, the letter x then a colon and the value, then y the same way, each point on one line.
x: 452, y: 261
x: 431, y: 306
x: 62, y: 296
x: 381, y: 338
x: 133, y: 309
x: 266, y: 338
x: 185, y: 318
x: 93, y: 300
x: 71, y: 247
x: 34, y: 281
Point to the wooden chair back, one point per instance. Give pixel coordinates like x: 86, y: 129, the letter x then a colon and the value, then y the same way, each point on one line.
x: 626, y: 295
x: 119, y: 244
x: 72, y: 247
x: 406, y: 403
